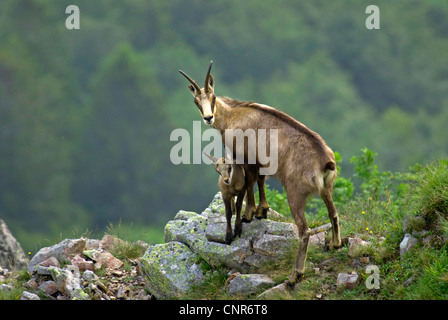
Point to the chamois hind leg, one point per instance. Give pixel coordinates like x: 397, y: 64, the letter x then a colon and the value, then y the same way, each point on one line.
x: 297, y: 202
x: 251, y: 177
x: 333, y: 215
x: 238, y: 221
x: 263, y: 206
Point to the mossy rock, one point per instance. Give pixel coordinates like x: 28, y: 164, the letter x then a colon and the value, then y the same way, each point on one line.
x: 170, y: 270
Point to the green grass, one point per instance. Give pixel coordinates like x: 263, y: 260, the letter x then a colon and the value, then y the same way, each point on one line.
x: 132, y: 233
x: 16, y: 281
x: 130, y: 237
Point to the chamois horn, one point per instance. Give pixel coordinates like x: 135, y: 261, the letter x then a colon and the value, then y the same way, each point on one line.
x: 191, y: 80
x: 207, y: 77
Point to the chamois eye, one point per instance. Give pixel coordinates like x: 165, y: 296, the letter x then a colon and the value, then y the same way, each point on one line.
x: 230, y: 169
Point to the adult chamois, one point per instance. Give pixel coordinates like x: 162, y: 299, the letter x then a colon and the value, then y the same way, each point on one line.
x: 306, y: 165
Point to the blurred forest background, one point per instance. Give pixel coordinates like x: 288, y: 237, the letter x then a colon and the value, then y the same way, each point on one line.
x: 86, y: 115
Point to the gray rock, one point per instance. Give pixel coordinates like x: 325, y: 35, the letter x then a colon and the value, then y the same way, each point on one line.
x: 262, y: 241
x: 90, y: 276
x: 52, y: 261
x: 249, y: 283
x: 217, y: 204
x: 68, y: 282
x: 60, y: 251
x: 170, y: 269
x: 5, y: 287
x: 186, y: 231
x: 355, y: 245
x: 48, y: 287
x: 29, y: 296
x: 349, y: 281
x: 216, y: 227
x: 42, y: 271
x: 217, y: 254
x: 318, y: 239
x: 103, y: 259
x: 11, y: 253
x: 185, y: 215
x: 407, y: 243
x: 121, y: 292
x: 270, y: 245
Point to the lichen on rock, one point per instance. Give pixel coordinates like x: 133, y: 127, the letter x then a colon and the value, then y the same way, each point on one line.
x: 170, y: 269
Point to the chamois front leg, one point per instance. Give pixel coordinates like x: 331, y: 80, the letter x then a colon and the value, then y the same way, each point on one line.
x: 238, y: 221
x: 263, y: 206
x: 228, y: 207
x: 251, y: 177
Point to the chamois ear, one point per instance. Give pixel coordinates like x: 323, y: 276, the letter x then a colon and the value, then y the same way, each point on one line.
x: 214, y: 160
x: 192, y: 90
x: 211, y: 84
x: 227, y: 159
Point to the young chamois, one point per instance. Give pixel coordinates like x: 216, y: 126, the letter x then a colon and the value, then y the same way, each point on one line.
x: 306, y: 165
x: 232, y: 183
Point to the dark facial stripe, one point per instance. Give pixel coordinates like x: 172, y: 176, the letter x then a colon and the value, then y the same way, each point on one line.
x: 196, y: 102
x: 213, y: 104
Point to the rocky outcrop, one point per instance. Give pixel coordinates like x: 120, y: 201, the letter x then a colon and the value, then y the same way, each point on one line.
x: 261, y: 242
x: 66, y: 271
x: 191, y: 237
x: 11, y: 253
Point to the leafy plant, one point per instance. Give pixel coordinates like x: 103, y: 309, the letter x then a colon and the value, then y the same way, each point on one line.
x: 432, y: 191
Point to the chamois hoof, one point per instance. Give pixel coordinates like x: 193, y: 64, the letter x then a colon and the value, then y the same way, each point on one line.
x: 293, y: 280
x: 247, y: 217
x: 244, y: 219
x: 332, y: 245
x: 229, y: 238
x: 262, y: 212
x: 237, y: 233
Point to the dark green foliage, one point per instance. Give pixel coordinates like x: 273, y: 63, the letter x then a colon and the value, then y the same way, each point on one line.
x: 117, y: 167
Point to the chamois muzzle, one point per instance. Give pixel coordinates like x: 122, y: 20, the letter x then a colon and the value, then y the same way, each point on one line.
x: 208, y: 120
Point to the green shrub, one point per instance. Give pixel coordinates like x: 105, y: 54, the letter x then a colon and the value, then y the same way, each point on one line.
x: 431, y: 190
